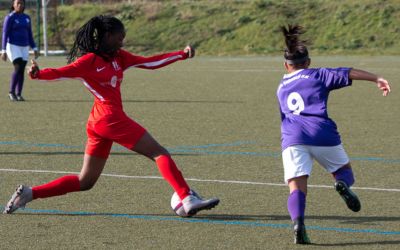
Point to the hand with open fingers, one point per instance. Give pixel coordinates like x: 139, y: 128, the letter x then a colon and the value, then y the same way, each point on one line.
x: 33, y: 70
x: 383, y: 85
x: 189, y: 51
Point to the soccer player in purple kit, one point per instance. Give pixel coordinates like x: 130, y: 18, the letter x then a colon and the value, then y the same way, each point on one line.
x: 307, y: 131
x: 16, y: 39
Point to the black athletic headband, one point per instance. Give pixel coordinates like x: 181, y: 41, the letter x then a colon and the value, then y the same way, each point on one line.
x: 297, y: 60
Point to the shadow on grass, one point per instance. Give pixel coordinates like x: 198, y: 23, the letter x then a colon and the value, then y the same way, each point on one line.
x: 139, y: 101
x: 341, y: 219
x: 220, y: 217
x: 168, y: 216
x: 34, y: 212
x: 387, y: 242
x: 81, y: 153
x: 44, y: 212
x: 239, y: 217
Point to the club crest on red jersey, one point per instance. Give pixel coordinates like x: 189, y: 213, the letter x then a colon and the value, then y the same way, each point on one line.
x: 114, y: 81
x: 116, y: 66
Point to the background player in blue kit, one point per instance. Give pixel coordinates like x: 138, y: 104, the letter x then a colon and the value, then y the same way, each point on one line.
x: 16, y: 39
x: 307, y: 131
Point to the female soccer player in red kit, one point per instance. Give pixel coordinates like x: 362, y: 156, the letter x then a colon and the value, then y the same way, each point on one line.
x: 97, y: 59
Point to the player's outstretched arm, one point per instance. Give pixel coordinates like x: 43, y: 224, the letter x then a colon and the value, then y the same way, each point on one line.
x: 77, y: 69
x: 381, y: 83
x: 156, y: 61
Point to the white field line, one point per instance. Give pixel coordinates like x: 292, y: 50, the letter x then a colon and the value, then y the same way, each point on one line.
x: 197, y: 180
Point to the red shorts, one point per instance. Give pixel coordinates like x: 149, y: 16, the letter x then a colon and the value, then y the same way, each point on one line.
x: 120, y: 129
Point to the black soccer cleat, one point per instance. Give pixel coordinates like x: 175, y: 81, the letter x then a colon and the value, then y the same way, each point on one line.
x: 351, y: 199
x: 300, y: 234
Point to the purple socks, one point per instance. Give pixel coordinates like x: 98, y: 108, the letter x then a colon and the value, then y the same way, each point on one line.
x: 297, y: 199
x: 14, y: 81
x: 20, y: 84
x: 296, y: 204
x: 17, y: 77
x: 344, y: 174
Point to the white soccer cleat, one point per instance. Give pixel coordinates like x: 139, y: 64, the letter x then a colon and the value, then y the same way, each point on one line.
x: 21, y: 196
x: 193, y: 204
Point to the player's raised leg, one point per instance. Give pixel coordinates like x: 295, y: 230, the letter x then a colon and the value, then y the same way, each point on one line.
x: 344, y: 180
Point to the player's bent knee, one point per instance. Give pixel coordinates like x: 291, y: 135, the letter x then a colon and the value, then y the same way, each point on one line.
x: 348, y: 165
x: 159, y: 152
x: 87, y: 186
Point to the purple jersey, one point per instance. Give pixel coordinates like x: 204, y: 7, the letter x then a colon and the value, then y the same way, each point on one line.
x: 303, y: 99
x: 17, y: 30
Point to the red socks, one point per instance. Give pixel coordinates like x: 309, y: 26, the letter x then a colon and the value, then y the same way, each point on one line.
x: 172, y: 175
x: 70, y: 183
x: 60, y: 186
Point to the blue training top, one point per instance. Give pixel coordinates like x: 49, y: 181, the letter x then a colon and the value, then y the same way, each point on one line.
x: 17, y: 30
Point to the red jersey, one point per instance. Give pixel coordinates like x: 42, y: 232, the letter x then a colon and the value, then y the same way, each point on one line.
x: 104, y: 78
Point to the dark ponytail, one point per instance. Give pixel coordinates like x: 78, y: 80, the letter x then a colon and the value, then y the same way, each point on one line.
x: 89, y: 38
x: 296, y: 50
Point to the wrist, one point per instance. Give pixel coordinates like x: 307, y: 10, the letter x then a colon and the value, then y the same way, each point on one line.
x: 379, y: 79
x: 185, y: 54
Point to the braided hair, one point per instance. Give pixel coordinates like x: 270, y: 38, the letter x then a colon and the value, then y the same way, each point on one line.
x: 296, y: 52
x: 89, y: 38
